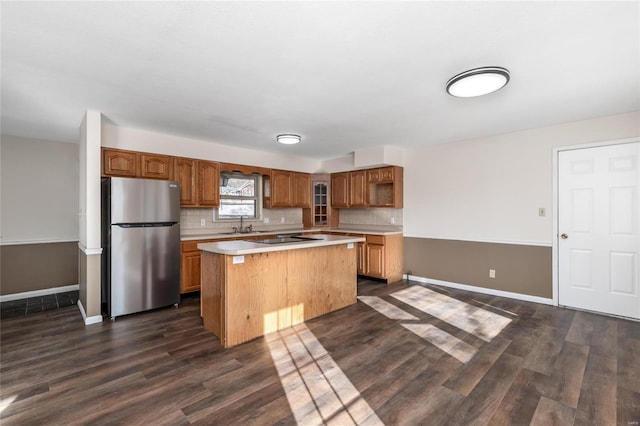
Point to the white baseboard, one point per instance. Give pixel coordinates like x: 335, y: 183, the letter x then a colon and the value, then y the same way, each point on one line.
x: 36, y: 293
x: 88, y: 320
x: 490, y: 291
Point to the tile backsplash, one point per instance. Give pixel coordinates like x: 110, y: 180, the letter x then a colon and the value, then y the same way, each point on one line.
x: 191, y: 220
x: 372, y: 216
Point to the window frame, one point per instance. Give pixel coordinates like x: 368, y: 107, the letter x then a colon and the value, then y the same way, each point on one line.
x: 257, y: 197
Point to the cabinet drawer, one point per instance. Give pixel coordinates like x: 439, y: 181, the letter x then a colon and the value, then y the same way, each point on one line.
x: 375, y: 239
x: 190, y: 245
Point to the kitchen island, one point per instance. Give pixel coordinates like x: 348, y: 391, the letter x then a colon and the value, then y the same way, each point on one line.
x: 251, y: 288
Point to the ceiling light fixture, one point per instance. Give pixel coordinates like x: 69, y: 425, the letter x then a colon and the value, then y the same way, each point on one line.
x: 289, y: 139
x: 478, y: 82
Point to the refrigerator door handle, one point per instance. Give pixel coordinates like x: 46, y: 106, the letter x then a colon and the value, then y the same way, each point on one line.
x: 145, y: 225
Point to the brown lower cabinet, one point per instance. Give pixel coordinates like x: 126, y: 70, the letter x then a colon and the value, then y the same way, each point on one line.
x: 190, y: 260
x: 381, y: 256
x: 190, y: 265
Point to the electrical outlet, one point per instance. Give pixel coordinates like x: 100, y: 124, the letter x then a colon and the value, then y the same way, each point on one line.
x: 203, y: 221
x: 492, y: 273
x: 542, y: 212
x: 392, y: 220
x: 266, y: 220
x: 282, y: 219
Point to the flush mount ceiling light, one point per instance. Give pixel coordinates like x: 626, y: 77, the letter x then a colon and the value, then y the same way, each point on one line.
x: 289, y: 139
x: 478, y: 82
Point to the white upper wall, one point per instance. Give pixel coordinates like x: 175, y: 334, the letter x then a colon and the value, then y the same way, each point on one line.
x: 490, y: 189
x: 160, y: 143
x: 89, y: 185
x: 38, y: 190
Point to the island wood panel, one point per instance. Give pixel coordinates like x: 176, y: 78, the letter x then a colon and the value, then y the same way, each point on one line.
x: 212, y: 294
x: 274, y: 290
x: 256, y: 296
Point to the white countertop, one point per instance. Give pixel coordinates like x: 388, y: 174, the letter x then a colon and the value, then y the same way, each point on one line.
x: 356, y: 229
x: 241, y: 247
x: 213, y: 234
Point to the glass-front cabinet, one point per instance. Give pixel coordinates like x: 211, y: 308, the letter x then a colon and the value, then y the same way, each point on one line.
x: 320, y: 204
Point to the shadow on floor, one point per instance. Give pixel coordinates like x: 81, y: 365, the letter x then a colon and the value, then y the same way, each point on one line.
x: 32, y: 305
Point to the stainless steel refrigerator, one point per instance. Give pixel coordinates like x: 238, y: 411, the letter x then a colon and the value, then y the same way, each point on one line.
x: 141, y: 245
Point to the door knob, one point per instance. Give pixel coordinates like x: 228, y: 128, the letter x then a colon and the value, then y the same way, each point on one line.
x: 564, y: 236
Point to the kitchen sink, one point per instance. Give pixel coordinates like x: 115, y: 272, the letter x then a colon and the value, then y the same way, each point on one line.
x: 284, y: 240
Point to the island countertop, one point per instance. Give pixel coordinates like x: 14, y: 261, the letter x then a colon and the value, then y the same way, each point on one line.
x: 235, y: 248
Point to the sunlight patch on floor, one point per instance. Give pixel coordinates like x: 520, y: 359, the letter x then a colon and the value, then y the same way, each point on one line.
x: 476, y: 321
x: 317, y: 390
x: 459, y: 349
x: 495, y: 307
x: 4, y: 403
x: 386, y: 308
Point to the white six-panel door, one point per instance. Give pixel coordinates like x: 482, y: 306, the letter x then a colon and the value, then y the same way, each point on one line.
x: 598, y: 227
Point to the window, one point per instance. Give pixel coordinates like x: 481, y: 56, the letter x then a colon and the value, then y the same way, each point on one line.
x: 239, y: 196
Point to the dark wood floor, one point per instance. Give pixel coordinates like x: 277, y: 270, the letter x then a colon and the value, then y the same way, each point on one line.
x: 546, y: 366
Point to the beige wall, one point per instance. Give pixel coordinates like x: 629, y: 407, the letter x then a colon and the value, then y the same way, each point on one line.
x: 490, y: 189
x: 519, y: 269
x: 147, y: 141
x: 461, y: 198
x: 31, y: 267
x: 38, y: 190
x: 38, y: 214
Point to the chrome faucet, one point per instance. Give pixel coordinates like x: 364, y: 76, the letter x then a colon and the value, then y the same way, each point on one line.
x: 241, y: 229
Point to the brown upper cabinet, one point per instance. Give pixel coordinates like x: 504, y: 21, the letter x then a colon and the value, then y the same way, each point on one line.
x: 380, y: 187
x: 301, y: 190
x: 208, y: 184
x: 340, y: 189
x: 117, y: 162
x: 281, y: 188
x: 385, y: 187
x: 184, y: 171
x: 290, y: 189
x: 153, y: 166
x: 200, y: 179
x: 199, y: 182
x: 358, y: 188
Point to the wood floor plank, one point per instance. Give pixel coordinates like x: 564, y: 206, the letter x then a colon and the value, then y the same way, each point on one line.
x: 604, y: 340
x: 425, y: 387
x: 483, y: 401
x: 546, y: 365
x: 467, y: 377
x: 581, y: 330
x: 543, y: 355
x: 552, y: 413
x: 565, y: 382
x: 598, y: 394
x: 628, y: 407
x: 521, y: 401
x: 629, y: 364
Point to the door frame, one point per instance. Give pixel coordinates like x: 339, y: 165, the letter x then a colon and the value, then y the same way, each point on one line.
x: 556, y: 202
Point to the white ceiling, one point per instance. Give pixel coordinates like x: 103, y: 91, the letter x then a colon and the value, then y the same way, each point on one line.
x: 344, y: 75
